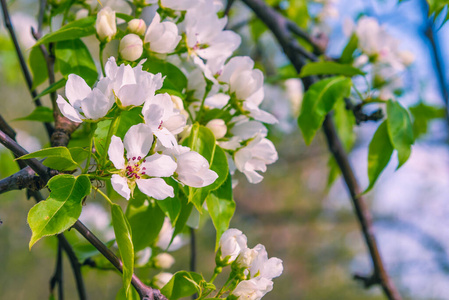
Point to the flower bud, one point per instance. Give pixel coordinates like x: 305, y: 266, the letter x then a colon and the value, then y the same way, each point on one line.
x: 177, y: 102
x: 162, y: 36
x: 105, y: 25
x: 246, y: 257
x: 231, y: 243
x: 218, y: 128
x: 162, y: 279
x: 137, y: 26
x: 131, y: 47
x: 164, y: 261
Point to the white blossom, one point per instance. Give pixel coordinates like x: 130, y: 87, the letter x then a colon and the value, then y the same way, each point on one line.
x: 162, y: 36
x: 85, y: 103
x: 218, y: 128
x: 132, y: 86
x: 164, y: 261
x: 231, y: 243
x: 253, y: 289
x: 131, y: 47
x: 254, y: 157
x: 138, y: 168
x: 162, y: 279
x: 165, y: 237
x: 260, y: 265
x: 106, y: 24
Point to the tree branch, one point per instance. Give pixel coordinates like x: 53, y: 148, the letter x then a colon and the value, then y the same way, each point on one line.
x: 57, y: 277
x: 23, y: 65
x: 280, y: 28
x: 145, y: 292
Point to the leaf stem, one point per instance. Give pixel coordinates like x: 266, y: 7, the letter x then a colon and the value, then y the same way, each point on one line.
x: 103, y: 194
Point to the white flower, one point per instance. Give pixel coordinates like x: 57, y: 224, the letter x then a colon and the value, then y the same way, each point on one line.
x: 253, y: 289
x: 165, y: 237
x: 137, y: 26
x: 131, y: 47
x: 231, y: 243
x: 138, y: 168
x: 179, y: 4
x: 162, y: 36
x: 218, y: 128
x: 143, y: 256
x: 106, y: 25
x: 85, y: 103
x: 260, y: 265
x: 132, y: 86
x: 164, y: 261
x: 162, y: 279
x: 164, y: 120
x: 254, y: 157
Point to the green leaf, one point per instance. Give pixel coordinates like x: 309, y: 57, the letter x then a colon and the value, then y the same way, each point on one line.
x: 146, y: 220
x: 58, y: 158
x: 52, y: 88
x: 124, y: 17
x: 175, y: 80
x: 129, y: 118
x: 422, y: 115
x: 318, y: 101
x: 38, y: 67
x: 221, y: 207
x: 348, y: 51
x: 73, y: 57
x: 61, y: 209
x: 123, y: 236
x: 182, y: 284
x: 186, y: 210
x: 100, y: 137
x: 40, y: 114
x: 171, y: 206
x: 329, y: 68
x: 133, y: 295
x: 400, y: 130
x: 73, y: 30
x: 379, y: 154
x: 344, y: 122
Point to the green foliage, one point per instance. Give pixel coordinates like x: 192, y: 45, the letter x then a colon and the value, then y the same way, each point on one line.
x: 132, y: 295
x: 400, y: 130
x: 73, y: 57
x: 100, y: 137
x: 52, y: 88
x: 58, y: 158
x: 436, y: 8
x: 38, y: 67
x: 318, y: 101
x: 146, y: 220
x: 175, y: 80
x: 379, y: 154
x: 348, y: 51
x: 40, y: 114
x: 123, y: 236
x: 329, y: 68
x: 183, y: 284
x: 61, y: 209
x: 171, y: 206
x: 422, y: 115
x: 221, y: 207
x: 73, y: 30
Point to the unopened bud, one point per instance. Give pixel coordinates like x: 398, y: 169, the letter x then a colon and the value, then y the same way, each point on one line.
x: 218, y: 128
x: 105, y: 25
x: 131, y: 47
x: 162, y: 279
x: 137, y: 26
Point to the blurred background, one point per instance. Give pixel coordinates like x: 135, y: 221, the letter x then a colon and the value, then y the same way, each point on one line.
x: 294, y: 212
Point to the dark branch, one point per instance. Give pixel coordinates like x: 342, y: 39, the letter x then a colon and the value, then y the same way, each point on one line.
x: 360, y: 116
x: 26, y: 178
x: 57, y: 278
x: 193, y: 255
x: 145, y: 292
x: 280, y: 28
x: 23, y: 65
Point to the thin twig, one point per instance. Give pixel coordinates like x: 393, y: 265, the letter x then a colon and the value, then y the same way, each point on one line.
x: 279, y: 26
x: 23, y: 65
x: 193, y: 255
x: 228, y: 7
x: 57, y: 278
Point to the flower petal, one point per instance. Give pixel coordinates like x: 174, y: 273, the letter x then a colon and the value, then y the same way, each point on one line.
x: 96, y: 105
x: 166, y: 138
x: 159, y: 165
x: 116, y: 152
x: 68, y: 111
x: 156, y: 188
x: 138, y: 140
x: 120, y: 185
x: 76, y: 89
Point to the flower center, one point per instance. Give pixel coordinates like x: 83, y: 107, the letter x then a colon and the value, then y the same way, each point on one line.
x: 133, y: 169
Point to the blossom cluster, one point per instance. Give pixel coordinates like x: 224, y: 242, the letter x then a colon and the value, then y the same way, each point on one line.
x: 251, y: 264
x: 381, y: 51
